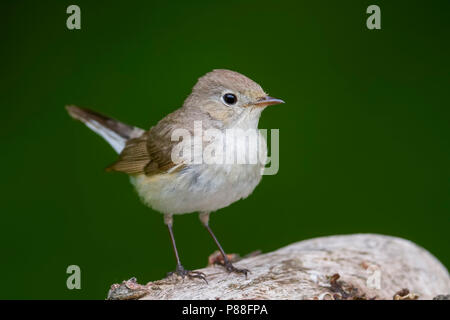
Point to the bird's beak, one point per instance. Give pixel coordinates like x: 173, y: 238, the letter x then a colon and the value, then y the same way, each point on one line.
x: 268, y: 101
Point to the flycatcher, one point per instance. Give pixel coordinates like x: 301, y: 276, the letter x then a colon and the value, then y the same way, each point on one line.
x: 221, y: 100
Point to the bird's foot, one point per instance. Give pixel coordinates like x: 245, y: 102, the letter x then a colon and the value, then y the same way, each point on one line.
x: 230, y: 268
x: 181, y: 271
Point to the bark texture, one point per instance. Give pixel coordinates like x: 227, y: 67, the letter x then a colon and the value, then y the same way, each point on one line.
x: 359, y: 266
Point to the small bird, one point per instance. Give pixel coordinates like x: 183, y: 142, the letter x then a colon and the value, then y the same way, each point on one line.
x: 220, y: 100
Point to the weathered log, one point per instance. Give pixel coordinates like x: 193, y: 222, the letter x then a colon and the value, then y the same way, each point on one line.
x: 360, y: 266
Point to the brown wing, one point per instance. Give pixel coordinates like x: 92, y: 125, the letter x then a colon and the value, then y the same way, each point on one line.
x: 160, y: 153
x: 148, y: 154
x: 133, y: 158
x: 151, y: 153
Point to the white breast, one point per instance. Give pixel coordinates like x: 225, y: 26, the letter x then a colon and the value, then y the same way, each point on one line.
x: 198, y: 188
x: 204, y: 187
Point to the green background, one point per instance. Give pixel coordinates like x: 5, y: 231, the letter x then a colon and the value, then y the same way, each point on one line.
x: 364, y: 133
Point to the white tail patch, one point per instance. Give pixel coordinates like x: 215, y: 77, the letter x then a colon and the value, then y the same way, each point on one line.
x: 116, y: 141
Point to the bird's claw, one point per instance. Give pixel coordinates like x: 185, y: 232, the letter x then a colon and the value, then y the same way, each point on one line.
x: 230, y: 268
x: 181, y: 271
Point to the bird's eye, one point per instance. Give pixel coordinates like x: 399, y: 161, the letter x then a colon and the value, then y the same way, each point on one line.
x: 229, y: 98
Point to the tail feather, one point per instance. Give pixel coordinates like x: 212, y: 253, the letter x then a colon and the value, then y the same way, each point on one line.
x: 114, y: 132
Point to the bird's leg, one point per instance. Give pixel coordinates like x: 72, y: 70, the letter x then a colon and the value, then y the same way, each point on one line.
x: 180, y: 270
x: 204, y: 218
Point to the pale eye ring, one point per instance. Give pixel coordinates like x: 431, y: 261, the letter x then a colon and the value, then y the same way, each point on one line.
x: 229, y: 98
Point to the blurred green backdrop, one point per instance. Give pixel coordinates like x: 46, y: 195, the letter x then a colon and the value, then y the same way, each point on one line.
x: 364, y: 134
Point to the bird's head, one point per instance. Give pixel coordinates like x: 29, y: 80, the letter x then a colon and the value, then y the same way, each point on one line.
x: 229, y: 96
